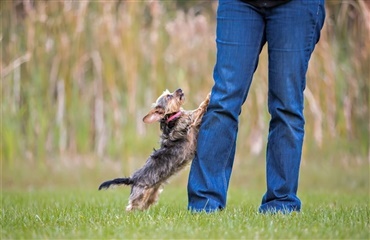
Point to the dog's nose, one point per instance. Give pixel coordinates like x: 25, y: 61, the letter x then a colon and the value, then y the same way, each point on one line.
x: 179, y: 93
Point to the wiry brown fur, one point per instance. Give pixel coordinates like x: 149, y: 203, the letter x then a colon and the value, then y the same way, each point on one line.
x: 177, y: 148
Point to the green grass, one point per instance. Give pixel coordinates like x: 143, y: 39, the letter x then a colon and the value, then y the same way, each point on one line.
x: 62, y: 202
x: 52, y: 214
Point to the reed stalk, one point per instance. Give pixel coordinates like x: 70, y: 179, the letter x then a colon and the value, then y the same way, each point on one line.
x: 77, y: 77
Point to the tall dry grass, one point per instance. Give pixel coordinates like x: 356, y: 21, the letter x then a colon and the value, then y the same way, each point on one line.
x: 78, y: 76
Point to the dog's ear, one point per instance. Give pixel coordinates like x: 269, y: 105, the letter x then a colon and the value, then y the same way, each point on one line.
x: 153, y: 116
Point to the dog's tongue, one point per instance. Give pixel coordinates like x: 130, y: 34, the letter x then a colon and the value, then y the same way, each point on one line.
x: 173, y: 117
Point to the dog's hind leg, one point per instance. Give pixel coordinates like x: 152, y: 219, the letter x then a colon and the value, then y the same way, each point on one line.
x: 137, y: 199
x: 142, y: 198
x: 153, y: 196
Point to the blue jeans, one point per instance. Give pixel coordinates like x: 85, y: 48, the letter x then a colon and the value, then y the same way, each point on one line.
x: 291, y: 31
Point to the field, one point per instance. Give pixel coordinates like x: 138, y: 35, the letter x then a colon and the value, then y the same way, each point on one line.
x: 68, y: 214
x: 56, y: 205
x: 78, y: 76
x: 90, y: 214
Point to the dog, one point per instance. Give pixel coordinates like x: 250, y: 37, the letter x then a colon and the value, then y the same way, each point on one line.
x: 178, y: 144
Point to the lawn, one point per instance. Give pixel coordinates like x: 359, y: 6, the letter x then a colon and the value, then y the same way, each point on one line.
x: 88, y: 213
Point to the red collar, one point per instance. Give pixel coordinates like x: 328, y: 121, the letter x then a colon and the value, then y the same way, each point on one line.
x: 173, y: 117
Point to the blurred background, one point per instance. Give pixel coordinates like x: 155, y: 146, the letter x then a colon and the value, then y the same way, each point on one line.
x: 78, y: 76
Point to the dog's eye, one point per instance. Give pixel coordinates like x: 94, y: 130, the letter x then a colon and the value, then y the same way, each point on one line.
x: 169, y: 97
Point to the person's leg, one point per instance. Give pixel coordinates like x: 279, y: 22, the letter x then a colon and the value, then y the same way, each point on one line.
x: 292, y: 30
x: 239, y: 38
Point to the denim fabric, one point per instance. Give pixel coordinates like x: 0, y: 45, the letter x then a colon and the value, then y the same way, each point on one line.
x: 291, y: 31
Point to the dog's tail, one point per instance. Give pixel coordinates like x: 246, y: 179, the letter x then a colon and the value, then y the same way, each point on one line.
x: 117, y: 181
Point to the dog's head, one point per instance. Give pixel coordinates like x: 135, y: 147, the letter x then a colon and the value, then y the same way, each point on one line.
x: 168, y: 103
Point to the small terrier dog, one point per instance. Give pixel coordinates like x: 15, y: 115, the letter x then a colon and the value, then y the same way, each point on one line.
x: 178, y: 143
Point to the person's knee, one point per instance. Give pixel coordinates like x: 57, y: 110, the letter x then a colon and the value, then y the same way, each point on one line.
x: 291, y: 117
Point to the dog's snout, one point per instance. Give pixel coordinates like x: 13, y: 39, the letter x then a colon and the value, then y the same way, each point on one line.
x: 179, y: 93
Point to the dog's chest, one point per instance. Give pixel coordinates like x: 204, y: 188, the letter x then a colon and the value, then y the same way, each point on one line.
x: 179, y: 133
